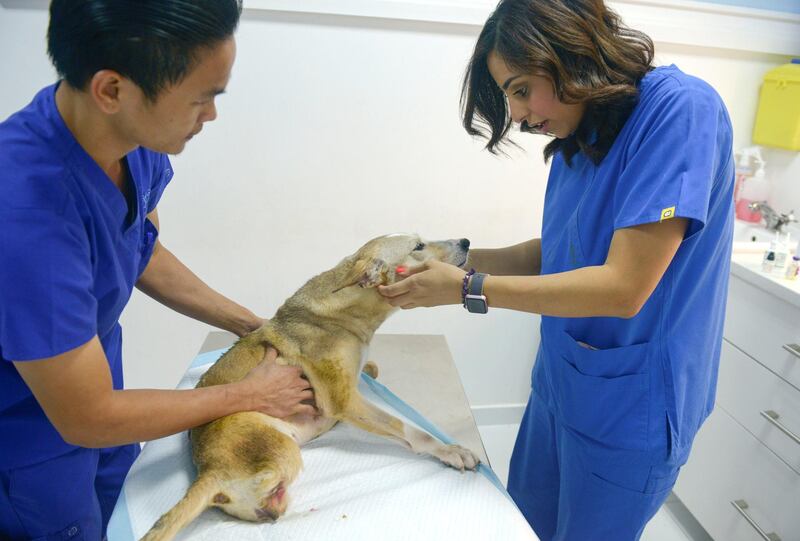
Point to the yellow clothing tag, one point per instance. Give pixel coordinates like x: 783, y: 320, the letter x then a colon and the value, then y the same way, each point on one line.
x: 667, y: 213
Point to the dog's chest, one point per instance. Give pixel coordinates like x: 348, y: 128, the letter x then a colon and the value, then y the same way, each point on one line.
x: 303, y: 428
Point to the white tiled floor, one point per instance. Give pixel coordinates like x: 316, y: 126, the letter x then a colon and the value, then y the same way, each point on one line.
x: 671, y: 523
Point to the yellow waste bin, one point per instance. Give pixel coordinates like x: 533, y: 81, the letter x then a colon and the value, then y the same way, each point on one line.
x: 778, y: 118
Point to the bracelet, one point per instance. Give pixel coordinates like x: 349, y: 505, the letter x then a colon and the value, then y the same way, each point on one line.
x: 464, y: 287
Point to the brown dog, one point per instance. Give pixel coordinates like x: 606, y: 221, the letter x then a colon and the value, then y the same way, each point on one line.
x: 246, y: 461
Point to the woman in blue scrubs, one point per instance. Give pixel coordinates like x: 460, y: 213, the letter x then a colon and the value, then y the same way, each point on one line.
x: 82, y: 169
x: 630, y: 274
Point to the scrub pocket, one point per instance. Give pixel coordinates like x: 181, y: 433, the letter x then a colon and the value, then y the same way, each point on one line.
x: 615, y: 512
x: 73, y: 532
x: 55, y: 500
x: 603, y: 394
x: 562, y: 250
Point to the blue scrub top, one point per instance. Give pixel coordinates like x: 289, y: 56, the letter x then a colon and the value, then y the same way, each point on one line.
x: 651, y: 378
x: 72, y: 252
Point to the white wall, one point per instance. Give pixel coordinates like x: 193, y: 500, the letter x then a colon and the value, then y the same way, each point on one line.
x: 336, y: 129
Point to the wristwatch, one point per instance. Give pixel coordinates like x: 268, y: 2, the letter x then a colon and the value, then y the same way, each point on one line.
x: 475, y: 300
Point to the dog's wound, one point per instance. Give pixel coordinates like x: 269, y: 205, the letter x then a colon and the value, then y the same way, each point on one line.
x: 221, y: 498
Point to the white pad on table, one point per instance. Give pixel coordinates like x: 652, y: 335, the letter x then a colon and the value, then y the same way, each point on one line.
x: 354, y: 485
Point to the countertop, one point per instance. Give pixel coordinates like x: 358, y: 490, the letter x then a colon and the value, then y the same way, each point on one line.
x: 747, y: 266
x: 420, y: 370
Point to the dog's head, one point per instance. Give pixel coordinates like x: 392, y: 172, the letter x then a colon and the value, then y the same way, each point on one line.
x: 377, y: 261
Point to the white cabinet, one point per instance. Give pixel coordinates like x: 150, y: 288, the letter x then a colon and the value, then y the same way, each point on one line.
x: 742, y: 480
x: 764, y: 404
x: 765, y: 327
x: 729, y: 465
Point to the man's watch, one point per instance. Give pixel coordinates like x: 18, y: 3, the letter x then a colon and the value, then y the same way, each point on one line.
x: 475, y: 300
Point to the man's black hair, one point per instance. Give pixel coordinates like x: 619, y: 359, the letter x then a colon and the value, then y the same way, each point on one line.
x: 154, y: 43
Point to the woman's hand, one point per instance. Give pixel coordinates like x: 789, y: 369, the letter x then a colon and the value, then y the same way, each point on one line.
x: 432, y: 284
x: 278, y: 390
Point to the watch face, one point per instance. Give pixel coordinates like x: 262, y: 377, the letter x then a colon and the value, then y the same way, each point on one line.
x: 477, y: 304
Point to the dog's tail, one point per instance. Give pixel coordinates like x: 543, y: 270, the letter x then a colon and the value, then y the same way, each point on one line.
x: 199, y: 496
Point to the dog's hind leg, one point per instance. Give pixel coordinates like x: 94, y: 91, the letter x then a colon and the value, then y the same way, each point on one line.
x: 373, y: 419
x: 199, y: 496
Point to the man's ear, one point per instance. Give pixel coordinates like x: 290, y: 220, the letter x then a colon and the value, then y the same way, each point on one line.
x: 105, y: 87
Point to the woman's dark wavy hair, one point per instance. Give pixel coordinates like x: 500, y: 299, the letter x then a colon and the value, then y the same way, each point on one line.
x: 586, y: 51
x: 154, y: 43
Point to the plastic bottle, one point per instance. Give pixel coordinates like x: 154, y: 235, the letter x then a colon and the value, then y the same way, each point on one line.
x: 781, y: 250
x: 742, y: 172
x: 753, y: 189
x: 768, y: 264
x: 744, y: 169
x: 749, y: 187
x: 793, y: 268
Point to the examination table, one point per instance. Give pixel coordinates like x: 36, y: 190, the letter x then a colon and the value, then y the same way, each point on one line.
x: 354, y: 485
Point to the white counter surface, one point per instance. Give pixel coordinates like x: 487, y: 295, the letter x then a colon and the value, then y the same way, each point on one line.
x: 748, y: 267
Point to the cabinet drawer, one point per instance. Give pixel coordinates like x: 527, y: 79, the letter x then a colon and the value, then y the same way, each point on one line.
x: 761, y: 325
x: 728, y: 464
x: 754, y: 396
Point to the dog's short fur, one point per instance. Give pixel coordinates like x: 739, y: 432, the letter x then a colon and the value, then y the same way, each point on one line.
x: 246, y: 461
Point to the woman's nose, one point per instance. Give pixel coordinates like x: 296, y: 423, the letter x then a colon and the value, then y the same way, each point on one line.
x: 518, y: 112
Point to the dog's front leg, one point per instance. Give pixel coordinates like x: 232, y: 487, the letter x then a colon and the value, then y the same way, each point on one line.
x: 373, y: 419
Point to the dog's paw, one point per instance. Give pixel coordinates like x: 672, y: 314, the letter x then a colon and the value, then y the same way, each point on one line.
x: 457, y: 457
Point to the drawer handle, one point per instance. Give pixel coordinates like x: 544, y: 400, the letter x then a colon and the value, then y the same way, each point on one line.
x: 773, y: 417
x: 741, y: 505
x: 794, y: 349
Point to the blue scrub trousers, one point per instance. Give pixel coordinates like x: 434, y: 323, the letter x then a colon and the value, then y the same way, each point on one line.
x: 572, y: 488
x: 66, y: 498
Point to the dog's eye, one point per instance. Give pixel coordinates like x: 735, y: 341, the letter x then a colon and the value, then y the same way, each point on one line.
x: 419, y: 246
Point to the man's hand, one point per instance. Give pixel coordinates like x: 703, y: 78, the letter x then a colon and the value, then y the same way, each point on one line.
x: 432, y: 284
x: 279, y: 391
x: 252, y: 324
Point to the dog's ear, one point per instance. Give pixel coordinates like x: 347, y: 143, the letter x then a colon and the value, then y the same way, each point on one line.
x: 367, y: 273
x: 372, y: 273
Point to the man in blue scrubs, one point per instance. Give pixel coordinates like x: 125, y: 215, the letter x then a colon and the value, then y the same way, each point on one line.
x: 82, y: 169
x: 631, y: 271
